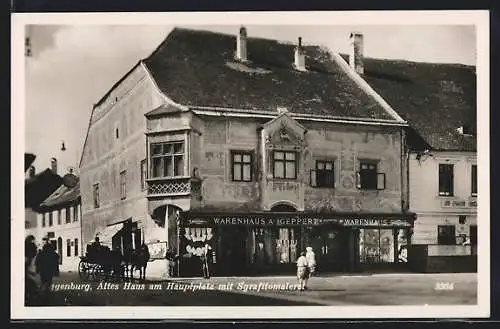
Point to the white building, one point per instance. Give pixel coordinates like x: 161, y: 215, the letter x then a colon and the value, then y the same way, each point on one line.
x: 59, y: 220
x: 443, y: 193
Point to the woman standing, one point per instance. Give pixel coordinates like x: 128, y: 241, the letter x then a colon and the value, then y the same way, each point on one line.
x: 302, y: 271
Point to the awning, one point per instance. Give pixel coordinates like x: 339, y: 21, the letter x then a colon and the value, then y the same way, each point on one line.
x: 106, y: 235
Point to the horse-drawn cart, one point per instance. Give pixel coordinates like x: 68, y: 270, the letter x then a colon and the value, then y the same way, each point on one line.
x: 99, y: 263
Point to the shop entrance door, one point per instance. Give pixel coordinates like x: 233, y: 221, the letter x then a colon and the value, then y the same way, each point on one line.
x: 233, y: 251
x: 330, y: 248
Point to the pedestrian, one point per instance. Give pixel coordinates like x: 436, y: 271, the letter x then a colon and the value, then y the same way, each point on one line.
x: 31, y: 289
x: 302, y: 270
x: 205, y: 260
x: 311, y: 262
x: 47, y: 265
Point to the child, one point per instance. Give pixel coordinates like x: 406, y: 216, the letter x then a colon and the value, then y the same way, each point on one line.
x: 302, y: 270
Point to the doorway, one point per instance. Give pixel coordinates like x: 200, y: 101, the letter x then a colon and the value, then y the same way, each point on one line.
x: 330, y: 247
x: 60, y: 250
x: 232, y: 247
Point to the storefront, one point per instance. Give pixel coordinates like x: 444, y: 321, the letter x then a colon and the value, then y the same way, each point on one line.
x: 264, y: 243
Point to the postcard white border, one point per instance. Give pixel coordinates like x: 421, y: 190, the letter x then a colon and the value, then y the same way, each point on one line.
x: 478, y: 18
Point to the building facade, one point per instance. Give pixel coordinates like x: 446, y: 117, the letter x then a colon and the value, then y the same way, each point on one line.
x: 59, y: 221
x: 37, y: 187
x: 254, y: 147
x: 443, y: 193
x: 439, y: 103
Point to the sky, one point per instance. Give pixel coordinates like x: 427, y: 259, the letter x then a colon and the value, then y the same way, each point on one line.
x: 72, y: 67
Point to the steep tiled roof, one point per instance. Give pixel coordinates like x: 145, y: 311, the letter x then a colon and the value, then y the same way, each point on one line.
x: 39, y: 187
x: 197, y: 68
x: 435, y: 99
x: 62, y: 196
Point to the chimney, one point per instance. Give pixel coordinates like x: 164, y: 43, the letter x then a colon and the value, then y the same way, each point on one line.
x: 241, y: 45
x: 53, y: 165
x: 356, y: 52
x: 32, y: 171
x: 300, y: 58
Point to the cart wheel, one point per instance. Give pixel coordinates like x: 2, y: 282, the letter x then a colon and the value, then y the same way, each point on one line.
x: 81, y: 269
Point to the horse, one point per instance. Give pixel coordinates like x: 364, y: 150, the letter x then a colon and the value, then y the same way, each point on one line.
x: 138, y: 260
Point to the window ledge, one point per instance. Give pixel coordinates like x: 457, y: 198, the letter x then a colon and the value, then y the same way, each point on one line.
x: 155, y: 179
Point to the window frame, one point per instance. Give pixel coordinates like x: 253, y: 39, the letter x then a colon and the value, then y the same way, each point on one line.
x: 68, y: 215
x: 473, y: 184
x: 315, y: 171
x: 452, y: 239
x: 379, y: 179
x: 96, y: 196
x: 68, y: 247
x: 123, y: 184
x: 242, y: 163
x: 443, y: 193
x: 172, y: 156
x: 144, y: 173
x: 76, y: 249
x: 285, y: 161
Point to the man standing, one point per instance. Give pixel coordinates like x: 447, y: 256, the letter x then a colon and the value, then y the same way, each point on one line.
x: 205, y: 260
x: 47, y: 265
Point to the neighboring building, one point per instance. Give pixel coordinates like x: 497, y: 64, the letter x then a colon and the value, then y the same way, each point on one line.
x: 59, y: 221
x: 37, y: 187
x: 439, y: 102
x: 255, y: 147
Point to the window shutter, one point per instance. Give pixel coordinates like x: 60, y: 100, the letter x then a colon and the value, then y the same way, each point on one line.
x: 358, y: 180
x: 313, y: 181
x: 380, y: 181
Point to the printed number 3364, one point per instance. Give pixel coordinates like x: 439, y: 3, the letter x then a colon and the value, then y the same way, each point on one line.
x: 444, y: 286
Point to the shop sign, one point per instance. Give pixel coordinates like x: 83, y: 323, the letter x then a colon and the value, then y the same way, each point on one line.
x: 296, y: 221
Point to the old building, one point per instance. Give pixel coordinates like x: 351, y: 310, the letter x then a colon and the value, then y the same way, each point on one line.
x: 59, y: 221
x: 439, y: 102
x: 255, y: 147
x: 37, y: 187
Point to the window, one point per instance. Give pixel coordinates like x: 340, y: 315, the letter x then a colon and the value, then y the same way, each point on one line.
x: 58, y: 214
x: 325, y: 174
x: 117, y: 133
x: 285, y: 165
x: 75, y: 213
x: 473, y: 235
x: 68, y: 247
x: 68, y: 215
x: 474, y: 180
x: 76, y: 247
x: 241, y: 167
x: 96, y: 196
x: 167, y: 159
x: 143, y: 174
x: 369, y: 178
x: 446, y: 179
x: 51, y: 218
x: 43, y: 220
x: 446, y: 234
x: 123, y: 185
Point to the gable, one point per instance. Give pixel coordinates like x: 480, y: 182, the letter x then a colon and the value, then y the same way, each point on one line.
x: 284, y: 131
x: 122, y: 108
